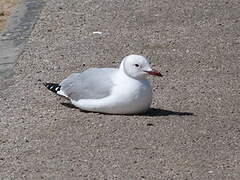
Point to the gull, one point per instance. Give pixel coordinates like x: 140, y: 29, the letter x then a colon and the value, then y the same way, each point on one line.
x: 125, y: 90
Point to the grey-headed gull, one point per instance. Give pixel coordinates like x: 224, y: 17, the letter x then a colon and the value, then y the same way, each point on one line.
x: 109, y: 90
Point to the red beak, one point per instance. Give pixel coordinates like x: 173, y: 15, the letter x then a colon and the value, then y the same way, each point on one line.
x: 154, y: 73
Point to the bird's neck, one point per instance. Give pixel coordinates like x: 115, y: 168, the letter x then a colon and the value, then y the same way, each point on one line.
x: 122, y: 72
x: 121, y: 67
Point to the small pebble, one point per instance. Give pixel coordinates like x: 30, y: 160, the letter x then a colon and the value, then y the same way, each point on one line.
x: 150, y: 124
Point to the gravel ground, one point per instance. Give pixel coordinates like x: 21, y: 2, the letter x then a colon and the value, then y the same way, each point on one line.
x: 193, y: 128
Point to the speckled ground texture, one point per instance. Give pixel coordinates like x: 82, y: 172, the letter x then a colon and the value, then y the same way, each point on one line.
x: 193, y: 128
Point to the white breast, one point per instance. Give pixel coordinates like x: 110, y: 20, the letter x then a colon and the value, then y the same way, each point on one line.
x: 131, y: 96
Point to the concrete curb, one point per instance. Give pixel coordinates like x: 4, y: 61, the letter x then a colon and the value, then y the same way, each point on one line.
x: 19, y: 27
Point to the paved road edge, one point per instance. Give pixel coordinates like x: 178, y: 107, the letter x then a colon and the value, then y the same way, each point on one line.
x: 17, y: 30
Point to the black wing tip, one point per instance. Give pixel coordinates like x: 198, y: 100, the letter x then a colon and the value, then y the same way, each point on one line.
x: 50, y: 84
x: 54, y: 87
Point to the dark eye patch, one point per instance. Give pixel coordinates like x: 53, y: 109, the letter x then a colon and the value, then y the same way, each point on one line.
x: 136, y: 65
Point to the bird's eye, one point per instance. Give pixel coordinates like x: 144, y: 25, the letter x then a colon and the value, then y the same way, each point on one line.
x: 136, y: 65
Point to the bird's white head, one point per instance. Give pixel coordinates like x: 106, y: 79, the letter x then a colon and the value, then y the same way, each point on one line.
x: 138, y: 67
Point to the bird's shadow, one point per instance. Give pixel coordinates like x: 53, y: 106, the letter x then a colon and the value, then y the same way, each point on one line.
x: 151, y: 111
x: 163, y: 112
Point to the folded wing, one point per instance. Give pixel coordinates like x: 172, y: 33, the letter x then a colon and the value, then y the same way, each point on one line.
x: 94, y: 83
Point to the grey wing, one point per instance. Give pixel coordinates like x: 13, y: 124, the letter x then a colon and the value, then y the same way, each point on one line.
x: 94, y: 83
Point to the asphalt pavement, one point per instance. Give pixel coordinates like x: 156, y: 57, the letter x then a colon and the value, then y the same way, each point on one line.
x: 192, y: 130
